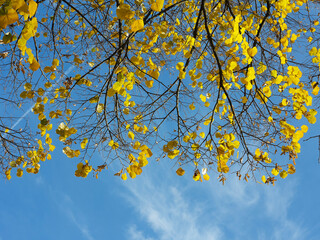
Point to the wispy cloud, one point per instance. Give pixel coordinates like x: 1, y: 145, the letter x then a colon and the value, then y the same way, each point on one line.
x: 135, y: 234
x: 169, y: 211
x: 66, y: 205
x: 173, y: 209
x: 278, y: 201
x: 82, y: 227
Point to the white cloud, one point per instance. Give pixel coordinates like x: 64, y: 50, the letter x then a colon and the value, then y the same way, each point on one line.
x: 169, y: 211
x: 278, y: 200
x: 174, y: 209
x: 135, y: 234
x: 66, y: 205
x: 82, y: 227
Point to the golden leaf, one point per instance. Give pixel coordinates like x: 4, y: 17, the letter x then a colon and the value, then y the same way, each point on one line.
x: 157, y: 6
x: 180, y: 172
x: 137, y: 25
x: 124, y: 12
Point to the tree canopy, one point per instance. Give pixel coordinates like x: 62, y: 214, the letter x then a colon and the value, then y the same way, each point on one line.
x: 220, y: 87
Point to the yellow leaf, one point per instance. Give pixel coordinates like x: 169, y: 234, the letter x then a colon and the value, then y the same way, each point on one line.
x: 304, y: 128
x: 84, y: 143
x: 16, y: 4
x: 113, y: 144
x: 263, y: 178
x: 34, y: 66
x: 208, y: 121
x: 19, y: 172
x: 186, y: 138
x: 172, y: 154
x: 137, y: 25
x: 244, y: 99
x: 124, y: 176
x: 10, y: 17
x: 206, y: 177
x: 291, y: 169
x: 48, y: 69
x: 126, y: 111
x: 117, y: 86
x: 149, y: 83
x: 32, y: 8
x: 180, y: 172
x: 155, y: 74
x: 196, y: 175
x: 252, y: 51
x: 77, y: 60
x: 124, y: 12
x: 100, y: 108
x: 180, y: 66
x: 195, y: 146
x: 131, y: 135
x: 192, y: 107
x: 199, y: 64
x: 225, y: 169
x: 157, y: 6
x: 24, y: 11
x: 233, y: 65
x: 55, y: 62
x: 28, y: 86
x: 51, y: 148
x: 283, y: 174
x: 203, y: 98
x: 111, y: 92
x: 313, y: 51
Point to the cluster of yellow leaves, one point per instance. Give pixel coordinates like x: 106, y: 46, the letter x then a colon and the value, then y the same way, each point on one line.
x: 28, y: 93
x: 31, y: 162
x: 278, y: 171
x: 238, y: 67
x: 52, y: 68
x: 197, y: 175
x: 136, y: 164
x: 114, y: 145
x: 290, y: 133
x: 139, y: 127
x: 9, y: 15
x: 83, y: 169
x: 64, y: 131
x: 170, y: 149
x: 226, y: 149
x: 124, y: 83
x: 300, y: 98
x: 70, y: 153
x: 8, y: 11
x: 182, y: 73
x: 44, y: 126
x: 260, y: 156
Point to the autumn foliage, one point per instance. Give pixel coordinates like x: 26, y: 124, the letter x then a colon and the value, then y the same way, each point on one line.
x: 218, y: 87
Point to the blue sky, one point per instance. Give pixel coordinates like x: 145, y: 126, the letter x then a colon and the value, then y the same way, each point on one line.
x: 54, y: 204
